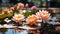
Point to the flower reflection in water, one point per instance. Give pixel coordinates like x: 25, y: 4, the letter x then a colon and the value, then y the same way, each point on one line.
x: 33, y: 31
x: 3, y: 30
x: 20, y: 31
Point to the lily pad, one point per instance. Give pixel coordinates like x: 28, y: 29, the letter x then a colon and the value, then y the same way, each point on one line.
x: 3, y: 16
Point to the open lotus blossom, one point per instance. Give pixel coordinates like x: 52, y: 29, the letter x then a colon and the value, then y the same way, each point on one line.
x: 26, y: 5
x: 44, y: 15
x: 5, y: 10
x: 20, y: 6
x: 12, y: 8
x: 18, y: 18
x: 33, y: 8
x: 31, y: 20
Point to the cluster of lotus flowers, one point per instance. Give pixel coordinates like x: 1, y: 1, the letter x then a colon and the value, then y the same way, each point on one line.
x: 32, y: 19
x: 18, y: 6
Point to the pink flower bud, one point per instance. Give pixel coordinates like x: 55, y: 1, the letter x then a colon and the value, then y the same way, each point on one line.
x: 6, y: 10
x: 20, y: 6
x: 33, y: 8
x: 26, y: 5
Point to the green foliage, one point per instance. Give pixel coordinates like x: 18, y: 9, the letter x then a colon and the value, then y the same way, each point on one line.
x: 29, y: 13
x: 6, y: 15
x: 10, y: 15
x: 2, y: 16
x: 16, y: 11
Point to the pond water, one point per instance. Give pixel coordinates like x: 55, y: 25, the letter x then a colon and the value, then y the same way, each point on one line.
x: 11, y: 31
x: 19, y: 30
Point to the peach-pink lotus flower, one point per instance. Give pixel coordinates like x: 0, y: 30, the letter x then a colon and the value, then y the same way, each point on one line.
x: 31, y: 19
x: 5, y: 10
x: 33, y: 8
x: 18, y: 18
x: 20, y: 6
x: 44, y: 15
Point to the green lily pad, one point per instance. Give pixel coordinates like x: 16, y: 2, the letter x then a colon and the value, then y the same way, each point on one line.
x: 9, y: 15
x: 28, y: 13
x: 3, y: 16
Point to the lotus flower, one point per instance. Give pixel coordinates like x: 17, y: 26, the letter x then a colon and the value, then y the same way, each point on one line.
x: 31, y: 19
x: 18, y: 18
x: 44, y: 15
x: 20, y: 6
x: 33, y: 8
x: 5, y: 10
